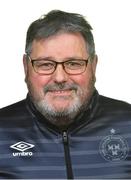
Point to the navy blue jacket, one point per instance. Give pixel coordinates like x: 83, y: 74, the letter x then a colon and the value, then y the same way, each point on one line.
x: 96, y: 146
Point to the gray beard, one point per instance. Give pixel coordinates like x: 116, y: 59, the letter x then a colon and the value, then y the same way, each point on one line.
x: 64, y: 117
x: 60, y: 118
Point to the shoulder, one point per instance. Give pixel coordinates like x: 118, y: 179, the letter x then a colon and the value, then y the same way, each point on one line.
x: 15, y: 113
x: 13, y: 108
x: 113, y: 104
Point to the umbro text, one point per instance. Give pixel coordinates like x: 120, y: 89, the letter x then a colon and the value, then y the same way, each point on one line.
x: 22, y: 154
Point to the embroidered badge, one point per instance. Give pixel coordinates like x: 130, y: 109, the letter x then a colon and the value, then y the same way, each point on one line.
x: 113, y: 147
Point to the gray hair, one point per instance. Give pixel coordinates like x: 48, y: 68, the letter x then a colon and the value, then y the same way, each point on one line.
x: 57, y: 21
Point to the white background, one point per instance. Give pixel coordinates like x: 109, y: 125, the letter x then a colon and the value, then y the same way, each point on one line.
x: 111, y: 21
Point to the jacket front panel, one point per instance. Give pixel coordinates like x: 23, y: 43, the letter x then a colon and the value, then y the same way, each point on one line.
x: 102, y: 154
x: 37, y: 153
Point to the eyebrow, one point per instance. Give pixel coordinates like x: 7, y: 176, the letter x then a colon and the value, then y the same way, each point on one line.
x: 52, y: 58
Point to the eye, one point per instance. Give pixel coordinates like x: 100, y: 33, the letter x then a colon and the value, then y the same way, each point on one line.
x: 76, y: 64
x: 44, y: 65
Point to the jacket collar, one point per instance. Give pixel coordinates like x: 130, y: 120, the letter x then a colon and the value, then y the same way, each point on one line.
x: 82, y: 119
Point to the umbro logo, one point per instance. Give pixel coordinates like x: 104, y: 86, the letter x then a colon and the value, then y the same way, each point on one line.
x: 22, y: 147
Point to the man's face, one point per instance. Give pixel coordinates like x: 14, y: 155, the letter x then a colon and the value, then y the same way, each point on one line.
x: 60, y: 94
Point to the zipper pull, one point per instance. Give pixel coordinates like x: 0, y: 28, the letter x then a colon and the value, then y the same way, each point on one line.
x: 65, y: 137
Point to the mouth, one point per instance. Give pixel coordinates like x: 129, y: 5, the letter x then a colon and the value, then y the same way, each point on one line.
x: 61, y: 90
x: 66, y: 92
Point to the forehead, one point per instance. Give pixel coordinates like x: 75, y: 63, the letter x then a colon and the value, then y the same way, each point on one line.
x: 60, y: 44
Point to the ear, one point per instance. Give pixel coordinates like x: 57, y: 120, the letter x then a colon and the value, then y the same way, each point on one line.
x: 25, y: 65
x: 94, y: 63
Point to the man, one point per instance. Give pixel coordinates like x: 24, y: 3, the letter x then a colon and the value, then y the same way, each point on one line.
x: 64, y: 129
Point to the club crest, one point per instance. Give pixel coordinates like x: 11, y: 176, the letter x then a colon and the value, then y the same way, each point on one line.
x: 113, y: 147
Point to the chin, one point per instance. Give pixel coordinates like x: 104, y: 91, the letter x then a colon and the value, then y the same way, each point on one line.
x: 56, y: 107
x: 61, y: 105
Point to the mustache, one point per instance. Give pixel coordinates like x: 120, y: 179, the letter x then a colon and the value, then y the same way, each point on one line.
x: 60, y: 86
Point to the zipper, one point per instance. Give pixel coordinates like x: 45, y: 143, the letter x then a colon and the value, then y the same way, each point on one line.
x: 67, y: 156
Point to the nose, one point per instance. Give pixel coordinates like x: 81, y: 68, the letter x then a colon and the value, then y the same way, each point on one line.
x: 60, y: 75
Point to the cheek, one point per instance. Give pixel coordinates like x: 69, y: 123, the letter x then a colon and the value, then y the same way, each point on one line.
x: 82, y: 80
x: 37, y: 81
